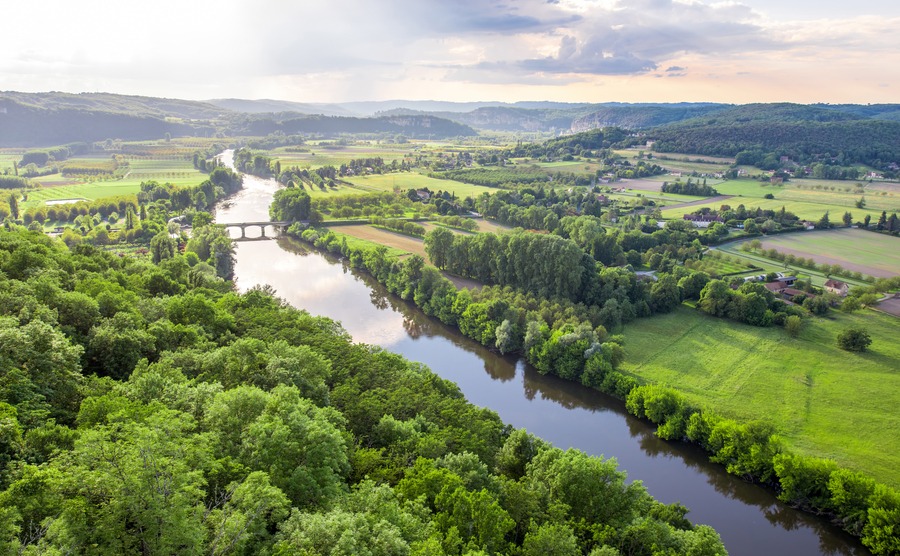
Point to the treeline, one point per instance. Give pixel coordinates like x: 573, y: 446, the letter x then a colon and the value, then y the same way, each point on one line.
x: 753, y: 450
x: 205, y: 159
x: 495, y: 177
x: 199, y: 420
x: 578, y: 144
x: 399, y: 225
x: 14, y: 182
x: 572, y: 349
x: 689, y: 188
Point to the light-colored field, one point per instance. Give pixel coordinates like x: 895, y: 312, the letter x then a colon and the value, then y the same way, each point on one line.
x: 413, y: 180
x: 857, y: 250
x: 335, y: 155
x: 398, y: 242
x: 826, y: 402
x: 89, y: 191
x: 384, y: 237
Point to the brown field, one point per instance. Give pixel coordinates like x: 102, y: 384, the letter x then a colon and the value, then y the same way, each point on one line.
x: 640, y: 184
x: 384, y: 237
x: 400, y: 241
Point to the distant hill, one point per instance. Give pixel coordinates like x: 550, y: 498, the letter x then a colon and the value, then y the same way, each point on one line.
x: 412, y: 126
x: 642, y: 116
x: 264, y: 106
x: 840, y: 135
x: 32, y: 119
x: 48, y: 119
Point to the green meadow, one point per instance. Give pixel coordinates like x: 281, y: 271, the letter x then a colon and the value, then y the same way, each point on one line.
x: 826, y: 402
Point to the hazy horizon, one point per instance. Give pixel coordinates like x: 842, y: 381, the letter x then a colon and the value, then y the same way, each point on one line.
x: 583, y: 51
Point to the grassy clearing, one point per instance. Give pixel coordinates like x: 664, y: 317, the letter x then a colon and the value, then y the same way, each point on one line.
x: 854, y: 249
x: 825, y: 401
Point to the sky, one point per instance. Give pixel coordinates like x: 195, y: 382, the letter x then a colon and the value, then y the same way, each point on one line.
x: 735, y: 51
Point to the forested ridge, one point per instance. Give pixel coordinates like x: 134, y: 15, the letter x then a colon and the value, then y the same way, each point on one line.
x: 190, y: 418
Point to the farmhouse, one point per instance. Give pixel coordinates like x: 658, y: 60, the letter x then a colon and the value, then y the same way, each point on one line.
x: 703, y: 220
x: 837, y: 287
x: 807, y: 225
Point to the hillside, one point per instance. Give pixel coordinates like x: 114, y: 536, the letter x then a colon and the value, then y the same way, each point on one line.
x: 30, y: 119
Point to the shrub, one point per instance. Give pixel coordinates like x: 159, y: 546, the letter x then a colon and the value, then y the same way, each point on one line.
x: 854, y: 339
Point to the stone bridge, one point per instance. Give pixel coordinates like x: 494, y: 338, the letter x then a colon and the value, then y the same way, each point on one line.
x: 262, y: 226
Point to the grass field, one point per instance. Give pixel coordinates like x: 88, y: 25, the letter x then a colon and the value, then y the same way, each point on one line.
x: 805, y: 210
x: 722, y: 266
x: 853, y: 249
x: 825, y: 401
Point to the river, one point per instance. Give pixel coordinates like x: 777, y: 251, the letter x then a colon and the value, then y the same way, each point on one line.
x: 750, y: 519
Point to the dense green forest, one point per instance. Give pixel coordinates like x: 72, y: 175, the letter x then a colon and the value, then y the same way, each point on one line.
x: 805, y: 134
x: 190, y: 418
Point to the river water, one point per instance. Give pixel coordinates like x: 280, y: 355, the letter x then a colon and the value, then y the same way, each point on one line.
x: 750, y: 519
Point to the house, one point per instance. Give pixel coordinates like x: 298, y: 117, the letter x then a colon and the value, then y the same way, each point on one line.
x: 423, y: 195
x: 702, y: 220
x: 807, y: 225
x: 790, y: 293
x: 837, y: 287
x: 781, y: 285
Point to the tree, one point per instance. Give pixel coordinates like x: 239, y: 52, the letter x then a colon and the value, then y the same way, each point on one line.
x: 162, y: 247
x: 290, y: 204
x: 13, y: 201
x: 854, y: 339
x: 437, y: 244
x: 847, y: 218
x: 665, y: 295
x: 792, y: 325
x: 824, y: 223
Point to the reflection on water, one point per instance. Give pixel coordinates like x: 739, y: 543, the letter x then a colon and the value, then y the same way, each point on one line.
x: 749, y: 518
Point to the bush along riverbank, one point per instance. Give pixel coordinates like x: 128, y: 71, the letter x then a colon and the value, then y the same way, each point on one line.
x: 557, y: 337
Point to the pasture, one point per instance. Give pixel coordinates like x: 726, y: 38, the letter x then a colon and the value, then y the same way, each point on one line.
x: 825, y: 402
x: 854, y: 249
